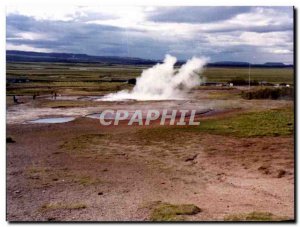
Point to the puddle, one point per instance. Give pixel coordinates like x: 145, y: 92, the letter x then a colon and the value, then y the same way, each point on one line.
x: 52, y: 120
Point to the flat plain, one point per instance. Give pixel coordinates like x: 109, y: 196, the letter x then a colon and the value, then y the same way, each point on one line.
x: 237, y: 165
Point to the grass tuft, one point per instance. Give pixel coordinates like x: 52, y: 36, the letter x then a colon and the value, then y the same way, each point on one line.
x: 171, y: 212
x: 62, y: 206
x: 254, y: 216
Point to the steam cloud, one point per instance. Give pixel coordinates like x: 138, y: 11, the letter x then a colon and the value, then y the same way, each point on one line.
x: 163, y: 81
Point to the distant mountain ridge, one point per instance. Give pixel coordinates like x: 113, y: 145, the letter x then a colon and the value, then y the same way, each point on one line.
x: 26, y: 56
x: 29, y: 56
x: 274, y: 63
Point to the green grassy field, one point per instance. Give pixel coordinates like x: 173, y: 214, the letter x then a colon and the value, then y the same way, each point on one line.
x: 272, y: 75
x: 276, y: 122
x: 96, y: 79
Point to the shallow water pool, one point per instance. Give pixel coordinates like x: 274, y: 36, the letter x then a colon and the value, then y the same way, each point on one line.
x: 52, y: 120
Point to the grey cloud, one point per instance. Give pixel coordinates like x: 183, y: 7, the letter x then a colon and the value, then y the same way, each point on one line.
x: 258, y: 29
x: 196, y: 14
x: 79, y: 37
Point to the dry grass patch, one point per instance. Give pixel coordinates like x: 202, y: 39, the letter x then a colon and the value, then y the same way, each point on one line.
x: 62, y: 206
x: 41, y: 177
x: 172, y: 212
x: 254, y: 216
x: 82, y: 142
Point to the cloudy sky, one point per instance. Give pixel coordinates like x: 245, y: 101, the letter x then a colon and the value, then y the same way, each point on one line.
x: 255, y: 34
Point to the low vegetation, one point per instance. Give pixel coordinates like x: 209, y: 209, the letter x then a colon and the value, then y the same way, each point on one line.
x: 65, y: 103
x: 239, y: 81
x: 42, y: 177
x: 271, y: 75
x: 231, y: 94
x: 62, y: 206
x: 278, y: 122
x: 95, y: 79
x: 48, y: 88
x: 80, y: 143
x: 170, y: 212
x: 269, y: 93
x: 254, y: 216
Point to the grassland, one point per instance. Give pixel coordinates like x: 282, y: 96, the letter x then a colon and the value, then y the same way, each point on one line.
x: 64, y: 103
x: 84, y: 79
x: 271, y: 75
x: 277, y: 122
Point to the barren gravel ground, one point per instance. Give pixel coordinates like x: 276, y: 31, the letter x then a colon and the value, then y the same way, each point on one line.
x: 82, y: 171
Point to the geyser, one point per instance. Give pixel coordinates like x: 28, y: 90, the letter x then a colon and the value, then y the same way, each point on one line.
x: 163, y: 81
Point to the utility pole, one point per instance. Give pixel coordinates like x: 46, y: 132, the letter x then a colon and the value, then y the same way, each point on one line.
x: 249, y: 73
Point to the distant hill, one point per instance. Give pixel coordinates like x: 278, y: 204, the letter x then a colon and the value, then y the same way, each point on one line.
x: 230, y: 63
x: 274, y: 64
x: 247, y: 64
x: 24, y: 56
x: 27, y: 56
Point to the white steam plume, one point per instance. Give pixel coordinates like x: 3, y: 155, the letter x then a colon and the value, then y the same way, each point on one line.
x: 163, y: 81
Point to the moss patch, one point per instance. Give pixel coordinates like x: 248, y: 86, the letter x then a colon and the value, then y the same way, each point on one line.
x: 170, y: 212
x: 254, y: 216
